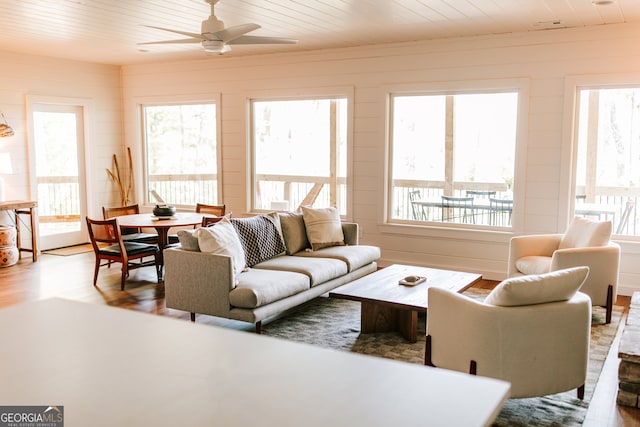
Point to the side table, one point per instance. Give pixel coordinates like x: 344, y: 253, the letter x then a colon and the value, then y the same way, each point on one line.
x: 23, y: 207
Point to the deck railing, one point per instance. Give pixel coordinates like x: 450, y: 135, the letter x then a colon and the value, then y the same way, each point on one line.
x: 287, y: 192
x: 617, y: 200
x: 58, y: 197
x: 186, y: 190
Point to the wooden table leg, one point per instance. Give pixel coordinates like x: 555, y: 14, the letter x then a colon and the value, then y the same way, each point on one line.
x: 34, y: 235
x: 407, y: 324
x: 381, y: 318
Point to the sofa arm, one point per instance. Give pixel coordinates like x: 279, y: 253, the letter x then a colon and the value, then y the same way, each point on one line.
x: 197, y: 282
x: 604, y: 264
x: 350, y: 231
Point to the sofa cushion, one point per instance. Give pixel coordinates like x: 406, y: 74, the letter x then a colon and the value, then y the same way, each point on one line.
x: 257, y: 287
x: 584, y: 232
x: 260, y: 237
x: 535, y: 264
x: 355, y: 256
x: 319, y: 270
x: 188, y: 240
x: 293, y: 232
x: 222, y: 240
x: 559, y: 285
x: 323, y: 227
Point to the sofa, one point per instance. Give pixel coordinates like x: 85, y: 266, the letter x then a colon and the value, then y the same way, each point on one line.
x: 251, y: 269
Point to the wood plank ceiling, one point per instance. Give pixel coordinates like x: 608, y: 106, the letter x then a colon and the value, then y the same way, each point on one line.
x: 107, y: 31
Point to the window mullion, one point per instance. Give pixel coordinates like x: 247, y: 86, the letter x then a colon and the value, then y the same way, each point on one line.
x: 448, y: 146
x: 592, y: 146
x: 333, y: 150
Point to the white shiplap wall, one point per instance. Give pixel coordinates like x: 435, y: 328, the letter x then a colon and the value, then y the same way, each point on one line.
x: 543, y: 58
x: 23, y: 75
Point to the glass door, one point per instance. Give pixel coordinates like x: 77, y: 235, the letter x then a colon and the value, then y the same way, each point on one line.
x: 59, y: 183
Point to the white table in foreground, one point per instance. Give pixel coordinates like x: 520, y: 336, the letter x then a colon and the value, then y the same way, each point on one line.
x: 114, y: 367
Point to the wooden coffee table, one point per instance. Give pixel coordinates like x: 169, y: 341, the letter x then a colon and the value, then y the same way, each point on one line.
x: 389, y: 306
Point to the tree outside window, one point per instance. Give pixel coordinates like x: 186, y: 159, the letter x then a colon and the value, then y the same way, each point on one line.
x: 181, y: 153
x: 299, y: 153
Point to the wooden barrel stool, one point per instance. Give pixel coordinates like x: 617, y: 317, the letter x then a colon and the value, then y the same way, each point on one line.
x: 9, y: 253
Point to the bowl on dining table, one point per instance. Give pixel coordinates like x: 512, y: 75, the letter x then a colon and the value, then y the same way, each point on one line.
x: 164, y: 210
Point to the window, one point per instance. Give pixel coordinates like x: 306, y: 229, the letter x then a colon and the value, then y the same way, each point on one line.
x: 607, y: 181
x: 181, y: 153
x: 299, y: 153
x: 452, y: 157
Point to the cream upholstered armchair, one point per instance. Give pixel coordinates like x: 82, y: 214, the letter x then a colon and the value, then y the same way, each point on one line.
x: 585, y: 242
x: 532, y: 331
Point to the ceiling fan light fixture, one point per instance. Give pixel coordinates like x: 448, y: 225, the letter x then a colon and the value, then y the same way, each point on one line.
x: 602, y: 2
x: 213, y: 46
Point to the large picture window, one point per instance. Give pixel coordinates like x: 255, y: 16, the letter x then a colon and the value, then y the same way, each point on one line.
x: 181, y: 155
x: 299, y: 153
x: 607, y: 181
x: 452, y: 157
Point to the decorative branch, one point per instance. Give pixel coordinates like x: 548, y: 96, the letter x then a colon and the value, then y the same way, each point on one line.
x: 116, y: 177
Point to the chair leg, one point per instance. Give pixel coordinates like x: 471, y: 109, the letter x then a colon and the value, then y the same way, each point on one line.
x: 193, y: 316
x: 259, y: 327
x: 473, y: 367
x: 95, y: 273
x: 581, y: 392
x: 158, y: 268
x: 125, y: 273
x: 427, y: 352
x: 609, y: 306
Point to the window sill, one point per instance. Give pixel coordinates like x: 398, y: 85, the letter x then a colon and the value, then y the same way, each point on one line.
x: 455, y: 231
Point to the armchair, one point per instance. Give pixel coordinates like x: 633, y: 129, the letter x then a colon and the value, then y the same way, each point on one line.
x: 532, y: 331
x: 585, y: 242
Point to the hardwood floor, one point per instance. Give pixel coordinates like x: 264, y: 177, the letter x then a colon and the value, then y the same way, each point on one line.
x: 71, y: 277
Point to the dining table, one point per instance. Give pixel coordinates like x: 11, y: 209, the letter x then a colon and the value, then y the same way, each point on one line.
x: 161, y: 225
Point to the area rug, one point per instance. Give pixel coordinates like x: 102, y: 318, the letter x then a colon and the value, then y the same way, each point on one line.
x: 70, y: 250
x: 335, y: 323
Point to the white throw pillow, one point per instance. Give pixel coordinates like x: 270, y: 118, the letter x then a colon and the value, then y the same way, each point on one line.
x: 559, y: 285
x: 222, y: 239
x: 534, y: 264
x: 323, y: 226
x: 583, y: 233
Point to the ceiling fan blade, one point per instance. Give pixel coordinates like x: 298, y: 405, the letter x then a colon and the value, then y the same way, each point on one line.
x: 262, y: 40
x: 234, y: 32
x: 192, y: 40
x: 182, y: 33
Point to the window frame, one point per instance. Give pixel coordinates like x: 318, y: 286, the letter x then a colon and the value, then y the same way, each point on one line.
x: 573, y: 85
x: 346, y: 92
x: 518, y: 85
x: 143, y: 195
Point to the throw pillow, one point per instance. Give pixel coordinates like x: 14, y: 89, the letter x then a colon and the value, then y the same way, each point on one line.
x: 583, y: 232
x: 222, y: 240
x: 189, y: 240
x: 260, y: 237
x: 559, y: 285
x: 293, y: 232
x: 534, y: 264
x: 323, y: 226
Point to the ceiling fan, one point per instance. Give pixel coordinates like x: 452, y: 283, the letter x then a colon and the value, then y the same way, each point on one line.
x: 215, y: 38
